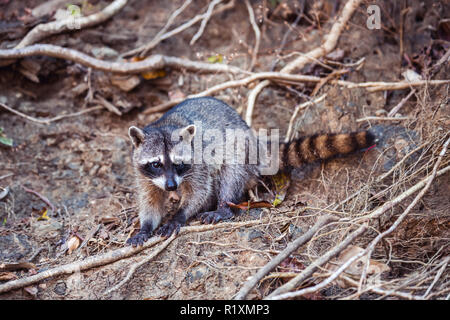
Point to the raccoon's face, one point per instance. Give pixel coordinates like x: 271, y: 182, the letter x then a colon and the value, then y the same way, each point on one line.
x: 157, y: 159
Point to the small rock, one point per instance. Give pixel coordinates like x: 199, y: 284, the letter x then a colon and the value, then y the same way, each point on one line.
x: 60, y: 288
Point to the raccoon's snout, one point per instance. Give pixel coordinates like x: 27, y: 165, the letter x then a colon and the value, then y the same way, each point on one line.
x: 171, y: 185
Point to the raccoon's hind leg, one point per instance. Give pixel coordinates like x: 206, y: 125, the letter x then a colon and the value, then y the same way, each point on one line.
x: 233, y: 180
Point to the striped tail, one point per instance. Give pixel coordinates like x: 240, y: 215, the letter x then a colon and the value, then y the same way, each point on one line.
x: 322, y: 147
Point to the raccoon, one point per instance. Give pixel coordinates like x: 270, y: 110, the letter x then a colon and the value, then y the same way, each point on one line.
x: 166, y: 153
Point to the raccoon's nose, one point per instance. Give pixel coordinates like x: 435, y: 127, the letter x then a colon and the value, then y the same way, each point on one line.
x: 171, y: 185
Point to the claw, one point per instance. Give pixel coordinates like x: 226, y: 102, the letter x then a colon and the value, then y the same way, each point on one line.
x: 215, y: 216
x: 167, y: 229
x: 138, y: 239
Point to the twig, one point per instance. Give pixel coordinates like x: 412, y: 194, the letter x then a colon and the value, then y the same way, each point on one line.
x: 46, y: 120
x: 91, y: 233
x: 40, y: 196
x: 42, y: 31
x: 35, y: 254
x: 251, y: 15
x: 383, y: 118
x: 298, y: 63
x: 289, y: 134
x: 403, y: 295
x: 279, y: 293
x: 205, y: 20
x: 157, y: 39
x: 154, y: 62
x: 144, y: 49
x: 401, y: 103
x: 436, y: 278
x: 6, y: 175
x: 291, y: 247
x: 142, y: 262
x: 108, y: 105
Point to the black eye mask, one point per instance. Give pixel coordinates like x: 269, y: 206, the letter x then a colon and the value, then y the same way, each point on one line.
x: 152, y: 169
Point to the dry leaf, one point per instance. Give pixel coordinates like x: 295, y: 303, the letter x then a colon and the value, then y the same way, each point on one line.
x: 107, y: 220
x: 281, y: 182
x: 250, y: 205
x: 176, y: 94
x: 125, y: 83
x: 6, y: 276
x: 355, y: 269
x: 73, y: 243
x: 43, y: 215
x: 16, y: 266
x: 31, y: 290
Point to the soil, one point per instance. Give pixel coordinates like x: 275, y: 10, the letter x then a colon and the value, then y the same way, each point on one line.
x: 82, y: 164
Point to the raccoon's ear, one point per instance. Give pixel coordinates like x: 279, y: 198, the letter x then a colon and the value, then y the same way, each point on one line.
x: 188, y: 133
x: 136, y: 135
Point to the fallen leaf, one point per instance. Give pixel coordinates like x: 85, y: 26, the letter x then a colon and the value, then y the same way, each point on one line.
x: 291, y: 264
x: 6, y: 276
x: 31, y: 290
x: 153, y: 74
x: 43, y: 214
x: 355, y: 269
x: 217, y: 58
x: 16, y: 266
x: 250, y: 205
x: 281, y: 182
x: 176, y: 94
x: 107, y: 220
x: 125, y: 83
x: 73, y: 243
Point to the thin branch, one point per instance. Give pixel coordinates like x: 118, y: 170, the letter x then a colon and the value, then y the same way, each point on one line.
x: 205, y: 20
x: 157, y: 39
x: 290, y: 134
x: 401, y: 103
x: 145, y: 48
x: 154, y: 62
x: 251, y: 15
x: 383, y: 118
x: 40, y: 196
x: 49, y: 120
x: 42, y: 31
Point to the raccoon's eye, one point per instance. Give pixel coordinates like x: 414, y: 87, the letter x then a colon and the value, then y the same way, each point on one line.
x: 156, y: 164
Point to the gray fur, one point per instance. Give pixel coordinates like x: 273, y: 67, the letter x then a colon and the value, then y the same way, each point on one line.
x: 211, y: 185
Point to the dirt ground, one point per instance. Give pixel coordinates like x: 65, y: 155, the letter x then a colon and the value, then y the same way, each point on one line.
x: 82, y: 164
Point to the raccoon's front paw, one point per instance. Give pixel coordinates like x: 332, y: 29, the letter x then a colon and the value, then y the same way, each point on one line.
x: 216, y: 216
x: 139, y: 239
x: 167, y: 229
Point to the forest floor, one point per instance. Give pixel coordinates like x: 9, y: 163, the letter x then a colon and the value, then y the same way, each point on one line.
x: 82, y: 163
